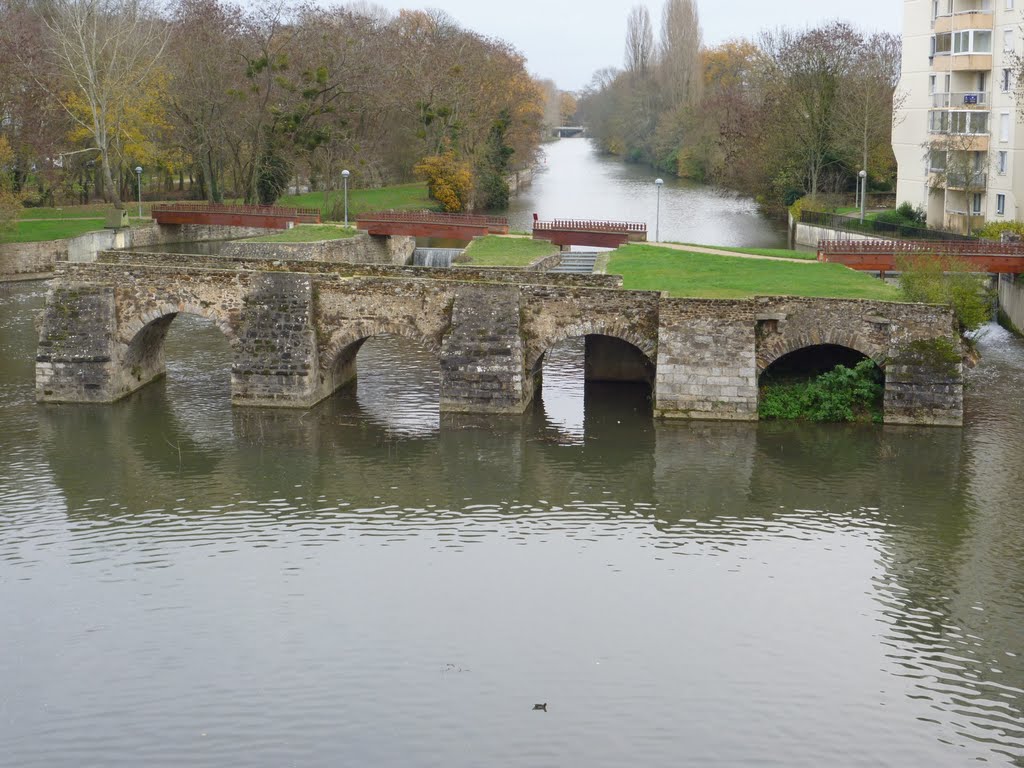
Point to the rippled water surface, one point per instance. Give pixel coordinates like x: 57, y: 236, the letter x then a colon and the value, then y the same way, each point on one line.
x: 370, y: 584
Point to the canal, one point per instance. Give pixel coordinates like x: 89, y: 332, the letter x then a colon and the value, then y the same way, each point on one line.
x: 575, y: 180
x: 372, y: 584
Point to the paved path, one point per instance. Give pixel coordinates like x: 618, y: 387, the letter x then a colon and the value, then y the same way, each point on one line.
x: 720, y: 252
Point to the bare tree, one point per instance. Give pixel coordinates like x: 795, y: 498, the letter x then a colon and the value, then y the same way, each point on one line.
x: 106, y: 49
x: 639, y: 42
x: 680, y: 66
x: 865, y: 113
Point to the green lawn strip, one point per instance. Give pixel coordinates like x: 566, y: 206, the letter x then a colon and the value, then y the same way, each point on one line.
x: 92, y: 211
x: 56, y: 229
x: 497, y: 251
x: 400, y: 197
x: 701, y: 275
x: 774, y: 253
x: 305, y: 233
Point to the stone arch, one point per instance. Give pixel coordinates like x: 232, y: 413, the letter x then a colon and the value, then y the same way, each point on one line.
x: 131, y: 328
x: 784, y: 345
x: 358, y: 333
x: 536, y: 351
x: 142, y: 359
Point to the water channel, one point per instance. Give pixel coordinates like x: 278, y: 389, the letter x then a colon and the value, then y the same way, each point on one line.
x: 370, y: 584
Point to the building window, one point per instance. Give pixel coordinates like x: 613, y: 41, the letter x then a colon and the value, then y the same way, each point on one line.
x: 1000, y: 205
x: 1004, y: 126
x: 976, y: 203
x: 1008, y: 40
x: 931, y: 84
x: 1009, y: 5
x: 1004, y: 81
x: 1002, y: 160
x: 973, y: 41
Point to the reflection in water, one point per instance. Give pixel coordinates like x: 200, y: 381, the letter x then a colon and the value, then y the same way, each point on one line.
x: 186, y: 583
x: 582, y: 183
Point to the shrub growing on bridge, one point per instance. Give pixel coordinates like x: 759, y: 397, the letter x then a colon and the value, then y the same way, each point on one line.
x: 842, y: 394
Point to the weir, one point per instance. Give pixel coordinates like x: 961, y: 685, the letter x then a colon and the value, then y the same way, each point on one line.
x: 295, y: 327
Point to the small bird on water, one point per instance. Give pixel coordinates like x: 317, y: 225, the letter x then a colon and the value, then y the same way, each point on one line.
x: 543, y: 707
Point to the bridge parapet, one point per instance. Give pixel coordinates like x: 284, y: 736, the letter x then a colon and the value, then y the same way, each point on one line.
x: 457, y: 226
x: 882, y: 255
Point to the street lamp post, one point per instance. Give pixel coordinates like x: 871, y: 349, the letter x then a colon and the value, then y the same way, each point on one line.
x: 657, y: 218
x: 138, y: 175
x: 344, y: 178
x: 863, y: 192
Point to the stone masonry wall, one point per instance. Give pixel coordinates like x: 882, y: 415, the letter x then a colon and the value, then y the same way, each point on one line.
x: 276, y: 361
x: 361, y: 249
x: 75, y: 358
x: 482, y: 357
x: 706, y: 363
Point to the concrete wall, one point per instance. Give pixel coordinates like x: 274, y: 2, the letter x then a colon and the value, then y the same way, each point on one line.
x: 361, y: 249
x: 20, y: 259
x: 809, y: 236
x: 1011, y: 300
x: 295, y: 335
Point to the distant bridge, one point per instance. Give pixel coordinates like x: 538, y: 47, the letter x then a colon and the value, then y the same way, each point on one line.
x: 454, y: 226
x: 569, y: 131
x: 266, y: 216
x: 882, y: 255
x: 596, y: 234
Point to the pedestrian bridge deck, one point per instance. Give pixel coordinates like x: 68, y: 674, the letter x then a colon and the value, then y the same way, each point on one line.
x: 885, y: 255
x: 266, y: 216
x: 596, y: 234
x: 454, y: 226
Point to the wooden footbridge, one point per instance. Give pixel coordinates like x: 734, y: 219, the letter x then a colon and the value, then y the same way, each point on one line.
x: 596, y: 234
x: 266, y: 216
x: 454, y: 226
x: 884, y: 255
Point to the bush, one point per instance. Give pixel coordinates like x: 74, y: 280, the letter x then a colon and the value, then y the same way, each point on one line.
x: 842, y: 394
x: 449, y: 180
x: 932, y: 279
x: 993, y: 229
x: 911, y: 215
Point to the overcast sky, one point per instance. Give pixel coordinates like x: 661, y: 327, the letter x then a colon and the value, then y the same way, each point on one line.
x: 568, y: 40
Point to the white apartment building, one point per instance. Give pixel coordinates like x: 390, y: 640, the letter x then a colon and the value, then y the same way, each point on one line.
x: 958, y: 139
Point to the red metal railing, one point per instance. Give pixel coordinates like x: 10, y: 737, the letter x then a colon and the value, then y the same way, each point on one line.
x: 902, y: 247
x: 305, y: 215
x: 588, y: 225
x: 431, y: 217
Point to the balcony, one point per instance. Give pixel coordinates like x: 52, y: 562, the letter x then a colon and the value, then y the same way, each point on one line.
x: 975, y: 182
x: 970, y: 19
x: 962, y: 99
x: 957, y: 221
x: 961, y: 62
x: 959, y: 142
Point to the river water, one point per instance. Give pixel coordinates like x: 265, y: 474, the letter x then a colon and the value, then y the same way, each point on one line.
x: 370, y: 584
x: 575, y: 181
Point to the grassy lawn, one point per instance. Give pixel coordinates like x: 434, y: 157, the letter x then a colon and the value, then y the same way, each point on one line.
x: 774, y: 253
x: 305, y: 233
x: 702, y: 275
x: 401, y: 197
x: 92, y: 211
x: 496, y: 251
x: 56, y: 229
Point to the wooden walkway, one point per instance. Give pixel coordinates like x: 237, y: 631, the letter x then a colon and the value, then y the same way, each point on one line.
x: 884, y: 255
x: 266, y: 216
x: 454, y: 226
x: 585, y: 232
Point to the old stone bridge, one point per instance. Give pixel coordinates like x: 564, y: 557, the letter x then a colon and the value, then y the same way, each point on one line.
x: 295, y: 328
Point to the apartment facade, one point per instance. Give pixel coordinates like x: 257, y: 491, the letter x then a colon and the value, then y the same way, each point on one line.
x: 958, y: 139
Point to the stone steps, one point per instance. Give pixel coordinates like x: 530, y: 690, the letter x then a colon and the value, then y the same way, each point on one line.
x: 577, y: 263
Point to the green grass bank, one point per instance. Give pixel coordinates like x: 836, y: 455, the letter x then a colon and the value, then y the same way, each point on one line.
x: 498, y: 251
